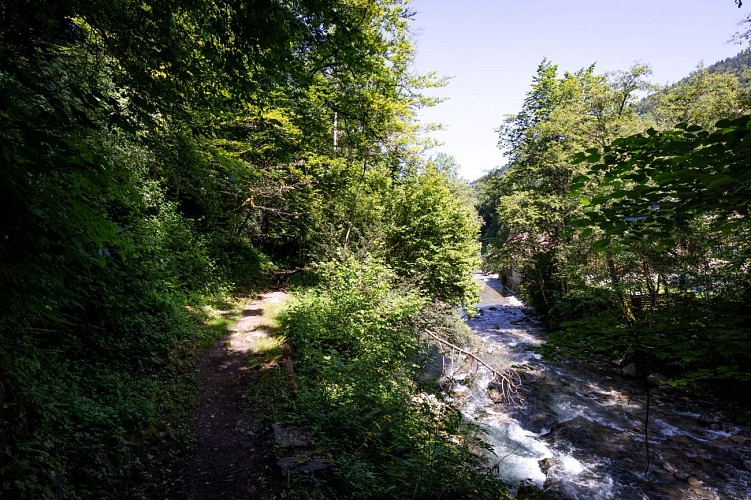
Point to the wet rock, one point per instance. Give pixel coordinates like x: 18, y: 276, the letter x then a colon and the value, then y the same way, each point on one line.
x: 555, y: 488
x: 658, y: 496
x: 528, y: 490
x: 548, y: 463
x: 710, y: 419
x: 698, y: 489
x: 657, y: 379
x: 495, y: 395
x: 662, y: 477
x: 583, y: 434
x: 747, y: 465
x: 726, y: 442
x: 738, y: 439
x: 721, y: 474
x: 681, y: 475
x: 682, y: 442
x: 629, y: 370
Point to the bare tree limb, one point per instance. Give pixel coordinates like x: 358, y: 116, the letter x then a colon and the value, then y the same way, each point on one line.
x: 509, y: 383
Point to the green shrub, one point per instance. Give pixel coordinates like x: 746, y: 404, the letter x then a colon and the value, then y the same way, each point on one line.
x: 579, y: 303
x: 432, y: 238
x: 354, y: 343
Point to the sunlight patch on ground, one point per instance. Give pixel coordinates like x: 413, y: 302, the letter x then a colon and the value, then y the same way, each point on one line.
x: 250, y: 333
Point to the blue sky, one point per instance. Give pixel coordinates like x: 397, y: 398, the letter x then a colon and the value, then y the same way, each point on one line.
x: 492, y: 48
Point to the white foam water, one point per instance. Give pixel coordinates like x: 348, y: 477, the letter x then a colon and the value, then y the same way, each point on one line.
x: 581, y: 434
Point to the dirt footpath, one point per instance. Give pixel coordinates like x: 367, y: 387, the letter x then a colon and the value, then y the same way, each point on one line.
x: 233, y: 455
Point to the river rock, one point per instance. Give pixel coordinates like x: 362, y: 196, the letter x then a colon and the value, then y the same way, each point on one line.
x: 658, y: 496
x: 557, y: 488
x: 657, y: 379
x: 547, y: 463
x: 710, y: 419
x: 698, y: 488
x: 681, y: 475
x: 747, y: 465
x: 738, y: 439
x: 527, y: 489
x: 629, y: 370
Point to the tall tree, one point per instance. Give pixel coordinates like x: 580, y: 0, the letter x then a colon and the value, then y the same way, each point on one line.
x: 562, y: 116
x: 672, y: 209
x: 151, y: 151
x: 702, y: 99
x: 432, y: 238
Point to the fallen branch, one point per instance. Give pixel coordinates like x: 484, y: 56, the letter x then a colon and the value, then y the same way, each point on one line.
x: 509, y: 384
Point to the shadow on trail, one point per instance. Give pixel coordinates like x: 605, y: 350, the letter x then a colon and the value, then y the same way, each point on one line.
x: 233, y: 455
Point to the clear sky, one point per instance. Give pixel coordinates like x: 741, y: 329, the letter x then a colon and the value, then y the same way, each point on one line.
x: 492, y: 48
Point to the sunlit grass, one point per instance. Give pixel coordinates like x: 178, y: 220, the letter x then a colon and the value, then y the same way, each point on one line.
x: 267, y: 352
x: 215, y: 318
x: 271, y: 314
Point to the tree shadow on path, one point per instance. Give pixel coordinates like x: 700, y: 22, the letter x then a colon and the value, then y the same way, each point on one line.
x: 233, y: 455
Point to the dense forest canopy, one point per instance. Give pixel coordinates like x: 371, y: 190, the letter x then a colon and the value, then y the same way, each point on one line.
x: 160, y: 155
x: 623, y: 211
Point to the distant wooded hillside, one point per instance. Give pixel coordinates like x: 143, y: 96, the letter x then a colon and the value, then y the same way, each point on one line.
x: 736, y: 65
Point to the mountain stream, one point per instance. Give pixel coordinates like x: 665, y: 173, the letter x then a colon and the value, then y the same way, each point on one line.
x: 579, y: 432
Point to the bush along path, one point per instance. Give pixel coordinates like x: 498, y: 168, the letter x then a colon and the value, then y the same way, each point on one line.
x: 362, y: 417
x: 232, y: 457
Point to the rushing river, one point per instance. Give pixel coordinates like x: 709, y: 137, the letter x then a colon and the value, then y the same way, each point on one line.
x: 580, y: 432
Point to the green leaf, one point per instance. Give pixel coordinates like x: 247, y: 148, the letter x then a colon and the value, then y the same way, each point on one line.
x: 720, y: 180
x: 601, y: 245
x: 579, y: 158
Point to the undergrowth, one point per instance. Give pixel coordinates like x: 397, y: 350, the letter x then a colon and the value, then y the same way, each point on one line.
x: 355, y: 344
x: 96, y: 406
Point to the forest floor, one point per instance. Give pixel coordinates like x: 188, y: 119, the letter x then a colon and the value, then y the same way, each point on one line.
x: 233, y: 454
